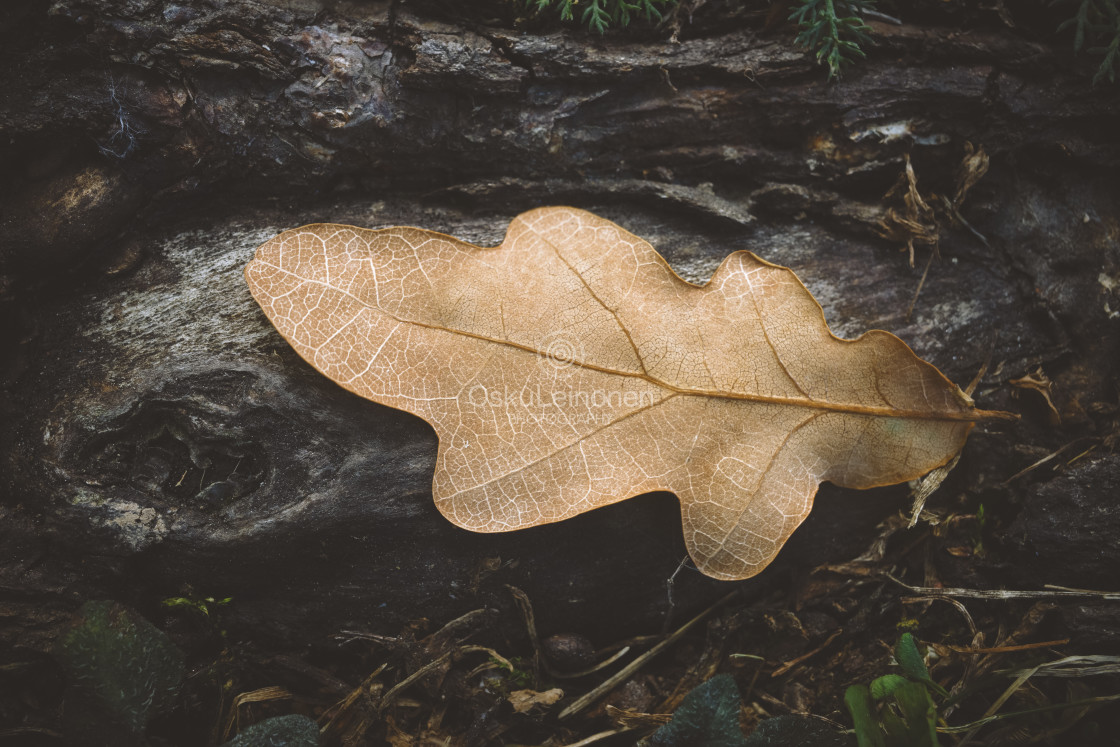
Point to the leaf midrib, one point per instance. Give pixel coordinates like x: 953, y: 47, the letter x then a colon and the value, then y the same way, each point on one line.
x: 807, y: 402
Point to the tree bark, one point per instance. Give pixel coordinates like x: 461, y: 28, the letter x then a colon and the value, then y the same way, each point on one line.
x: 159, y: 437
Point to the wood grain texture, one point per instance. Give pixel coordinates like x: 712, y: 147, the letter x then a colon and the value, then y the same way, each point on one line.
x: 570, y: 368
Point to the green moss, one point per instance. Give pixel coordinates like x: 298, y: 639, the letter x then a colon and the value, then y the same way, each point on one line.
x: 123, y: 670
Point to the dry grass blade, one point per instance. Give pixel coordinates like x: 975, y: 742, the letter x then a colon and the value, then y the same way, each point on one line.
x: 636, y: 720
x: 618, y: 677
x: 976, y: 634
x: 981, y: 373
x: 349, y: 636
x: 1056, y: 587
x: 1101, y: 700
x: 794, y: 662
x: 498, y: 660
x: 262, y: 695
x: 1078, y: 666
x: 926, y: 487
x: 1003, y: 593
x: 1007, y: 649
x: 921, y: 284
x: 1048, y: 458
x: 592, y: 670
x: 970, y: 664
x: 339, y: 716
x: 450, y: 634
x: 432, y: 666
x: 994, y: 707
x: 597, y: 737
x: 32, y: 731
x: 526, y: 609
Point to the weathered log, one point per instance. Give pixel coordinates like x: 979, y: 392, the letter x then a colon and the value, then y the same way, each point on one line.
x: 159, y: 435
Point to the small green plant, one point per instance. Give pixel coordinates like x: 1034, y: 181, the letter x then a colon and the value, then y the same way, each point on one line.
x: 1096, y: 23
x: 897, y: 710
x: 520, y: 674
x: 833, y: 29
x: 201, y: 605
x: 599, y: 15
x: 978, y: 532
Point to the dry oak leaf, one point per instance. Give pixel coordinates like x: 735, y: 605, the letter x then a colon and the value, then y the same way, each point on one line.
x: 524, y: 701
x: 570, y: 368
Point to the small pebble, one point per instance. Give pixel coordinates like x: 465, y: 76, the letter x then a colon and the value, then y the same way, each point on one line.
x: 569, y: 651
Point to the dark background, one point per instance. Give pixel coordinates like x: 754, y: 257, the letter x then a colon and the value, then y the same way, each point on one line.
x: 160, y: 439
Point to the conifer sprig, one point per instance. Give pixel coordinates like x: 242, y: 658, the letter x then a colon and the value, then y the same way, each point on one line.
x: 834, y: 30
x: 599, y: 15
x: 1096, y: 23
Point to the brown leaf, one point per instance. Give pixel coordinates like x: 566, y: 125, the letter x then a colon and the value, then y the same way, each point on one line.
x: 524, y: 701
x: 570, y: 368
x: 971, y: 170
x: 1041, y: 383
x: 917, y: 222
